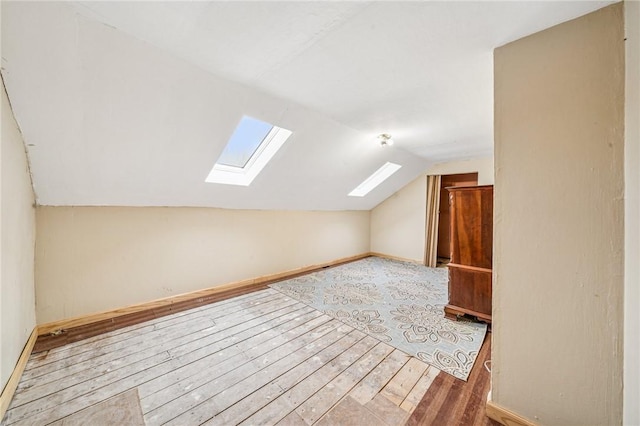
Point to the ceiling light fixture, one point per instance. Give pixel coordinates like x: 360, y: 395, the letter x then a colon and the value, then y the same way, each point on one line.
x: 385, y: 139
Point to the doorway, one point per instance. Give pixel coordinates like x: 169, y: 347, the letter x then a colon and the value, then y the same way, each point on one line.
x: 444, y: 217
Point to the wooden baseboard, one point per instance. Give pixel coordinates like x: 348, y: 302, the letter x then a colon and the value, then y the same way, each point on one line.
x: 390, y: 257
x: 14, y: 379
x: 58, y: 333
x: 506, y: 417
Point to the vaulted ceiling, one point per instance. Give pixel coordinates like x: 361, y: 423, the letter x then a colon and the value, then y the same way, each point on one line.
x: 131, y: 103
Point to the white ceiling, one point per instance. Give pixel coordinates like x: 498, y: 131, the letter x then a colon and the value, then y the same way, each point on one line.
x: 130, y: 103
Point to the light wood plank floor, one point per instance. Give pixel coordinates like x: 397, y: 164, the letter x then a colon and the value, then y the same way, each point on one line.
x: 260, y: 358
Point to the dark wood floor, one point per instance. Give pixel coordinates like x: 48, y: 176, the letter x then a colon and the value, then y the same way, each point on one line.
x: 450, y: 401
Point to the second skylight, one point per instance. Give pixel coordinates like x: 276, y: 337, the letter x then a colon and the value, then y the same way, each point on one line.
x: 375, y: 179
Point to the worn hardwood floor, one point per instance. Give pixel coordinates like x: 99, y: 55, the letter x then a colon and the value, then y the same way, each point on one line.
x: 450, y: 401
x: 259, y: 358
x: 75, y: 334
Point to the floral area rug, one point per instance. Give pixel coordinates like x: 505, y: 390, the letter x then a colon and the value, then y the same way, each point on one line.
x: 399, y: 303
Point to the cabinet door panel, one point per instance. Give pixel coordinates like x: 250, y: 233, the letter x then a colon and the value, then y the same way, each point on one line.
x: 470, y: 289
x: 471, y: 226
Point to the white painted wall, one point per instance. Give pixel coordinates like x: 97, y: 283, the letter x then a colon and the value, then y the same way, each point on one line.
x: 632, y: 216
x: 398, y: 223
x: 483, y: 166
x: 559, y: 223
x: 17, y: 229
x: 114, y: 121
x: 91, y: 259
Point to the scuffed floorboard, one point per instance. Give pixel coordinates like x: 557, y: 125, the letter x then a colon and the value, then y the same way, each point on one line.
x: 259, y: 358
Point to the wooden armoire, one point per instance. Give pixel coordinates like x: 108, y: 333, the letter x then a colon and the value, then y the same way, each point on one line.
x: 471, y: 210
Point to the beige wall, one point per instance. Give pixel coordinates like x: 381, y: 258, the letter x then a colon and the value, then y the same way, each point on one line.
x: 398, y: 223
x: 632, y: 216
x: 90, y: 259
x: 558, y: 254
x: 17, y: 229
x: 484, y: 167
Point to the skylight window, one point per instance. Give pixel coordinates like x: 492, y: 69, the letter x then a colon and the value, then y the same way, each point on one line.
x: 251, y: 146
x: 244, y: 142
x: 375, y: 179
